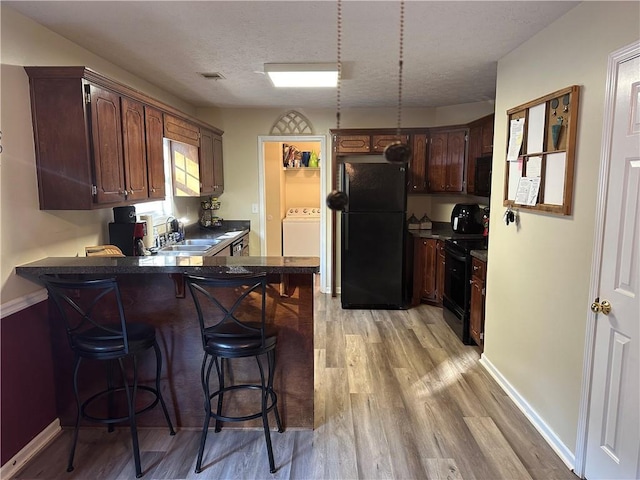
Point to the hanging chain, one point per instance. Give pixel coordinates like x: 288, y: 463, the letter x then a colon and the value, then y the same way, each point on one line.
x: 400, y: 62
x: 339, y: 59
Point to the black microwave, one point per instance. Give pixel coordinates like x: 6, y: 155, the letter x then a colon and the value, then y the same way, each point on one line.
x: 482, y: 176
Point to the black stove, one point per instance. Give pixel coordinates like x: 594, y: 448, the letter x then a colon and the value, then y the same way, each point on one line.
x: 457, y: 282
x: 465, y: 243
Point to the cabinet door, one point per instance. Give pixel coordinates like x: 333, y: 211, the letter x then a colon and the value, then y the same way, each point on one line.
x: 352, y: 143
x: 380, y: 142
x: 134, y: 149
x: 437, y: 163
x: 218, y: 169
x: 155, y: 152
x: 476, y: 314
x: 181, y: 130
x: 439, y: 271
x: 207, y: 180
x: 418, y: 165
x: 475, y: 151
x: 456, y: 149
x: 106, y: 135
x: 428, y: 269
x: 487, y: 136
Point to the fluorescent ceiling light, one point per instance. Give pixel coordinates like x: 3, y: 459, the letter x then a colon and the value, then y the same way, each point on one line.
x: 302, y: 74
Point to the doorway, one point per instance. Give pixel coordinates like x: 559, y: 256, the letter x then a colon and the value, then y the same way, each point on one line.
x: 282, y: 188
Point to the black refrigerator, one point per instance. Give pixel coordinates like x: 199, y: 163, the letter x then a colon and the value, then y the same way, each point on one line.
x: 373, y: 235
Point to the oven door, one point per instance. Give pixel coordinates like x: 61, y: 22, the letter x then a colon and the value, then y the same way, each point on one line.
x: 457, y: 291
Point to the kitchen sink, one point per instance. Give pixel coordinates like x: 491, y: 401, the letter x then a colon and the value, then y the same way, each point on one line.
x: 201, y: 241
x: 186, y: 249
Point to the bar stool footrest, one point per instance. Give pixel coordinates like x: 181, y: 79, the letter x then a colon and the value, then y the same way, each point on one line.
x: 101, y: 394
x: 223, y: 418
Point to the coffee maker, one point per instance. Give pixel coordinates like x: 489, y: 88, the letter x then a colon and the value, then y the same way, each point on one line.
x: 125, y: 233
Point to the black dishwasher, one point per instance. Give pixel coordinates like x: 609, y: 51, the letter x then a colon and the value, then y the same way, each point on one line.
x: 240, y: 247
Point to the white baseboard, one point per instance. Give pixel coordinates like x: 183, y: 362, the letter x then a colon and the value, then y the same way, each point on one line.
x: 565, y: 454
x: 21, y: 458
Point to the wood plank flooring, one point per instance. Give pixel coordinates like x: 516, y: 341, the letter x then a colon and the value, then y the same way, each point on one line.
x: 397, y: 396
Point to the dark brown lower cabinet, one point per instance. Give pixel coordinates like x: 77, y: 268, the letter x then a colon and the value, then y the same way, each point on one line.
x: 476, y: 315
x: 428, y: 274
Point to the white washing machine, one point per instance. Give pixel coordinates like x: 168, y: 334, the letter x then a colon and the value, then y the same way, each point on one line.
x: 301, y: 232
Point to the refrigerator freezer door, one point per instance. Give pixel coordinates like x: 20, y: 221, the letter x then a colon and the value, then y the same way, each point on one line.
x: 375, y: 187
x: 372, y: 260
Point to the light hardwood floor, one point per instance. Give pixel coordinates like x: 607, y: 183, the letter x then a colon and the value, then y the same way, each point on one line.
x: 397, y: 396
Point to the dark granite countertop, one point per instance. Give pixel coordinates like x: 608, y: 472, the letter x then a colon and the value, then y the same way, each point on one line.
x: 438, y: 230
x: 479, y: 254
x: 168, y: 264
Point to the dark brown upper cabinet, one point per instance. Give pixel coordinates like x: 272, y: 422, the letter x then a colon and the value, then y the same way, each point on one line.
x: 155, y: 152
x: 98, y: 143
x: 446, y: 160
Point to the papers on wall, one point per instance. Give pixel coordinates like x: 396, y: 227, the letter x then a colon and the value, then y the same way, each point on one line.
x: 528, y: 188
x: 515, y: 172
x: 516, y: 131
x: 554, y: 173
x: 534, y: 166
x: 535, y: 130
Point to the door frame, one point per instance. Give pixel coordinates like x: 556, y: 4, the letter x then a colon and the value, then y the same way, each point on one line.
x: 324, y: 171
x: 615, y: 59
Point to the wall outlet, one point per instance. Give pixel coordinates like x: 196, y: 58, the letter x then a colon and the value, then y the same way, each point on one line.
x: 254, y: 208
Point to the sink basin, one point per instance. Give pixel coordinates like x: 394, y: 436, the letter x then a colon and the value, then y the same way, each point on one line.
x: 187, y: 248
x: 190, y: 249
x: 201, y: 241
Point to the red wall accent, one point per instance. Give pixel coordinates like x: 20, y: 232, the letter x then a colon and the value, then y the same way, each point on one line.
x: 27, y: 388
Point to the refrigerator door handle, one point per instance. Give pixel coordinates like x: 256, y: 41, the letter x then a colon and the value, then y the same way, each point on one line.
x: 346, y: 188
x: 346, y: 232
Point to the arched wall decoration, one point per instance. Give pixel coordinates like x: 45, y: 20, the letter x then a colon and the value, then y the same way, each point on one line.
x: 292, y: 123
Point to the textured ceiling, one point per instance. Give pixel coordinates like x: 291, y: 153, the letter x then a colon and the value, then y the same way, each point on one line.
x: 450, y: 53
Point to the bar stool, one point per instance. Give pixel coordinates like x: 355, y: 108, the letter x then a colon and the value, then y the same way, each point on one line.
x: 97, y: 330
x: 232, y: 326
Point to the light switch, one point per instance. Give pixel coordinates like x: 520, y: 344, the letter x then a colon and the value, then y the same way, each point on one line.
x: 254, y: 208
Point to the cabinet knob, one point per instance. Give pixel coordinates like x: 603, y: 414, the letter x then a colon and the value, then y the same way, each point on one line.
x: 153, y: 190
x: 475, y: 267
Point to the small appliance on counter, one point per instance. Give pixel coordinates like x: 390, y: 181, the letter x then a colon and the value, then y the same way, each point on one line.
x: 125, y: 233
x: 208, y: 213
x: 466, y: 218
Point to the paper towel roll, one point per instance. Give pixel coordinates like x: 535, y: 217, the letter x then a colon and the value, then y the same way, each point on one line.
x: 148, y: 239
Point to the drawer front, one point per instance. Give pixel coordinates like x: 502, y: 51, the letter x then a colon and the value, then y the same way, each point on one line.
x: 380, y: 142
x: 352, y: 143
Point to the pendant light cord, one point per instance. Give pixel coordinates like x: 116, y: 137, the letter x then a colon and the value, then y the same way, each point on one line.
x: 400, y: 64
x: 339, y: 59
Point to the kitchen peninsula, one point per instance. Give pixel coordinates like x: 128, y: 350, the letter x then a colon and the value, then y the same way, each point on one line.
x: 148, y: 285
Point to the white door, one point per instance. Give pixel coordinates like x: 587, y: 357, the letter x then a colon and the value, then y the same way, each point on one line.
x: 613, y: 435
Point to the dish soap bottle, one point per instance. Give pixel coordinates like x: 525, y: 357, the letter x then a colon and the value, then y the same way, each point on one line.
x: 313, y: 160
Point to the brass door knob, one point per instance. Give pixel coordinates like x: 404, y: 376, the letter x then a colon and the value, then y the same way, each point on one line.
x: 604, y: 307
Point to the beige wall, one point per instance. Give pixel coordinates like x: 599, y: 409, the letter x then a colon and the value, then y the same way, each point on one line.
x: 538, y: 273
x: 27, y: 233
x: 240, y: 147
